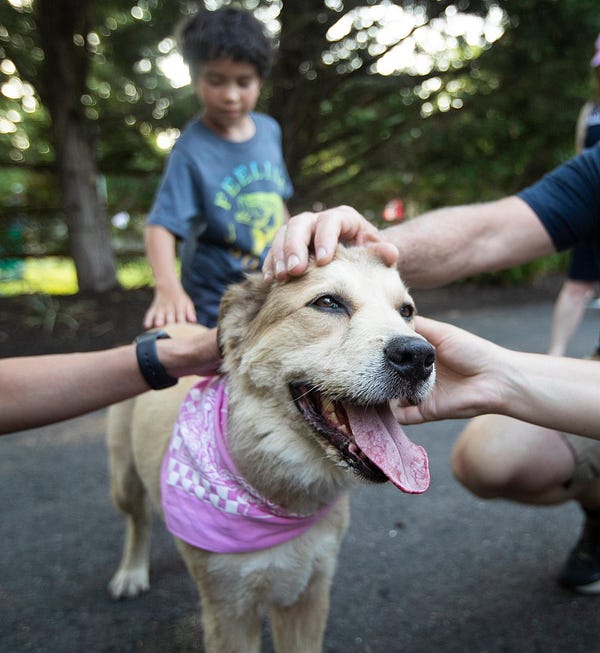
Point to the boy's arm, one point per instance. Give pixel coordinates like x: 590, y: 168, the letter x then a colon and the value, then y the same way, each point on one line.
x: 171, y: 303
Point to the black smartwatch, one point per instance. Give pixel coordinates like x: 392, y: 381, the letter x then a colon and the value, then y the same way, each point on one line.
x: 151, y: 368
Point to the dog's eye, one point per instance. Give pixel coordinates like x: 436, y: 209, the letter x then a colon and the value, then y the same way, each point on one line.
x: 407, y: 311
x: 329, y: 303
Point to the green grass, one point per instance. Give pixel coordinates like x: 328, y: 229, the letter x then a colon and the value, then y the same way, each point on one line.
x: 55, y: 275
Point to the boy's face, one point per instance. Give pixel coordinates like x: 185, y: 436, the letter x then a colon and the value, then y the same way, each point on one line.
x: 228, y: 90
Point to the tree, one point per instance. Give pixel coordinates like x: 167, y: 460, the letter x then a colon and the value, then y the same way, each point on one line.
x: 60, y: 48
x: 335, y: 110
x: 520, y: 100
x: 351, y: 133
x: 507, y: 108
x: 61, y: 84
x: 61, y: 81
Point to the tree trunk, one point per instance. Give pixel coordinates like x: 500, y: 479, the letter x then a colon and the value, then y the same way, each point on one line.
x: 89, y: 231
x: 63, y: 82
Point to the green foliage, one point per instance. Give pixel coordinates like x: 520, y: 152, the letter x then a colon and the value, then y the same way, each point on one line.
x: 480, y: 124
x: 56, y: 276
x: 135, y: 273
x: 521, y: 122
x: 48, y: 276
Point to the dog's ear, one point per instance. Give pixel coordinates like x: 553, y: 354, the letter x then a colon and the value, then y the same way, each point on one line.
x: 240, y: 305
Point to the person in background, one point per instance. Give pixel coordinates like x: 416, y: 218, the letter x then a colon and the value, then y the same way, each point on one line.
x: 496, y: 456
x: 222, y: 195
x: 583, y: 277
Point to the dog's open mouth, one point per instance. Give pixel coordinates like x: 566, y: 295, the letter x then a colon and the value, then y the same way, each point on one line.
x: 368, y: 437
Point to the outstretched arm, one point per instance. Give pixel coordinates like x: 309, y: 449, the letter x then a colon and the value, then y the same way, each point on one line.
x: 475, y: 377
x: 38, y: 390
x: 434, y: 249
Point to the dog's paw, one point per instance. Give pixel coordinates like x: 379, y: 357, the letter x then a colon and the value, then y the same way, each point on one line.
x: 129, y: 583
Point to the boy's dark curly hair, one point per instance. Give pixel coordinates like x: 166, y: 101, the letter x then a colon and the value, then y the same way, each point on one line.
x: 226, y: 32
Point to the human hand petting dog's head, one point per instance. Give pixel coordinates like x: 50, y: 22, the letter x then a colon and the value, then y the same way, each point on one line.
x: 320, y: 233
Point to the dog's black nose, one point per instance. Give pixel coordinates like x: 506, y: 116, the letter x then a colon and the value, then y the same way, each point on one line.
x: 410, y: 356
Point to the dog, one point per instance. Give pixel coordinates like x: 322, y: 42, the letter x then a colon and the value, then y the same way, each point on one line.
x: 301, y: 414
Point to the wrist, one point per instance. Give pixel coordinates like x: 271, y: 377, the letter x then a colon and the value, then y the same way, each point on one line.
x: 168, y: 284
x: 151, y: 367
x: 508, y: 386
x: 196, y: 354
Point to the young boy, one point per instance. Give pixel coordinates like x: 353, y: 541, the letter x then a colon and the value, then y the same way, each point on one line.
x: 222, y: 194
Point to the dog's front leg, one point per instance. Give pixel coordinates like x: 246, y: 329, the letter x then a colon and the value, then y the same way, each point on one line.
x: 300, y: 628
x: 242, y: 634
x: 232, y: 611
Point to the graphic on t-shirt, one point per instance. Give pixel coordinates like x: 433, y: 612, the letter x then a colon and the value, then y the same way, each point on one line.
x: 263, y: 213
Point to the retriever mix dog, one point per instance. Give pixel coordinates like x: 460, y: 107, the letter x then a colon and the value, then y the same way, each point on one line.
x: 251, y: 469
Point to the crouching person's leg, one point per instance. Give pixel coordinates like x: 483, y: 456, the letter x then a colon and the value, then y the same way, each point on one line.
x: 500, y: 457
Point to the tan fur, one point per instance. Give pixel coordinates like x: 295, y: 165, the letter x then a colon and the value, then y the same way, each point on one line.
x: 270, y: 336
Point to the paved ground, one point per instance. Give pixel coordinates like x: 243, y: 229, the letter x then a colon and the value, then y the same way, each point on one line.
x: 442, y: 572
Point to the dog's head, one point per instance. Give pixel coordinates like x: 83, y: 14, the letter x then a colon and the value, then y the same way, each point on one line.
x: 324, y: 354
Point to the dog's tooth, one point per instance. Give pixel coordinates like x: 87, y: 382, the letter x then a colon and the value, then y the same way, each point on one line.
x: 330, y: 414
x: 329, y: 411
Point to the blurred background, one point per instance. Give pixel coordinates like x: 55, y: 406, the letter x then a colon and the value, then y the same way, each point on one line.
x: 392, y: 107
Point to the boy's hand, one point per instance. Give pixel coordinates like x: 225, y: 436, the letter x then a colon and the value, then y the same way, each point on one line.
x: 288, y: 255
x: 169, y: 307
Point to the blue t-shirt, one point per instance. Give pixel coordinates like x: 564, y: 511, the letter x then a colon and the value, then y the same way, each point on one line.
x: 567, y: 201
x: 225, y: 201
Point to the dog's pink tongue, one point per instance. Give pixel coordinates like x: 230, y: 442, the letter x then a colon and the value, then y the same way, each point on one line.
x: 383, y: 441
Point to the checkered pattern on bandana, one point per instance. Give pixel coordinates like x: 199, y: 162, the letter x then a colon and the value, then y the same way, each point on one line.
x: 205, y: 500
x: 195, y: 462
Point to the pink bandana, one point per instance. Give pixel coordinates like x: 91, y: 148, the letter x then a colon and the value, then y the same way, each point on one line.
x: 205, y: 501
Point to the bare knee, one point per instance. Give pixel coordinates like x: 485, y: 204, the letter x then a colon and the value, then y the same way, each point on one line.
x: 498, y: 456
x: 479, y: 461
x: 579, y: 290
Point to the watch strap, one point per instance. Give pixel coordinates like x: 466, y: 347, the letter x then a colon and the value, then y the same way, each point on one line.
x: 151, y: 368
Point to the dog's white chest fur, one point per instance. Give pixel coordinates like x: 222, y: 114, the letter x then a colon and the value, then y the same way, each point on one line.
x: 284, y: 571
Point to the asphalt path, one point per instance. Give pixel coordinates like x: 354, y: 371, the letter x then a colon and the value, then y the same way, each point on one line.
x: 441, y: 572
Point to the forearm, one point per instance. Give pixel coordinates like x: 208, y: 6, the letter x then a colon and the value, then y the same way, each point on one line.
x: 40, y: 390
x: 160, y: 250
x: 556, y: 392
x: 453, y: 243
x: 44, y: 389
